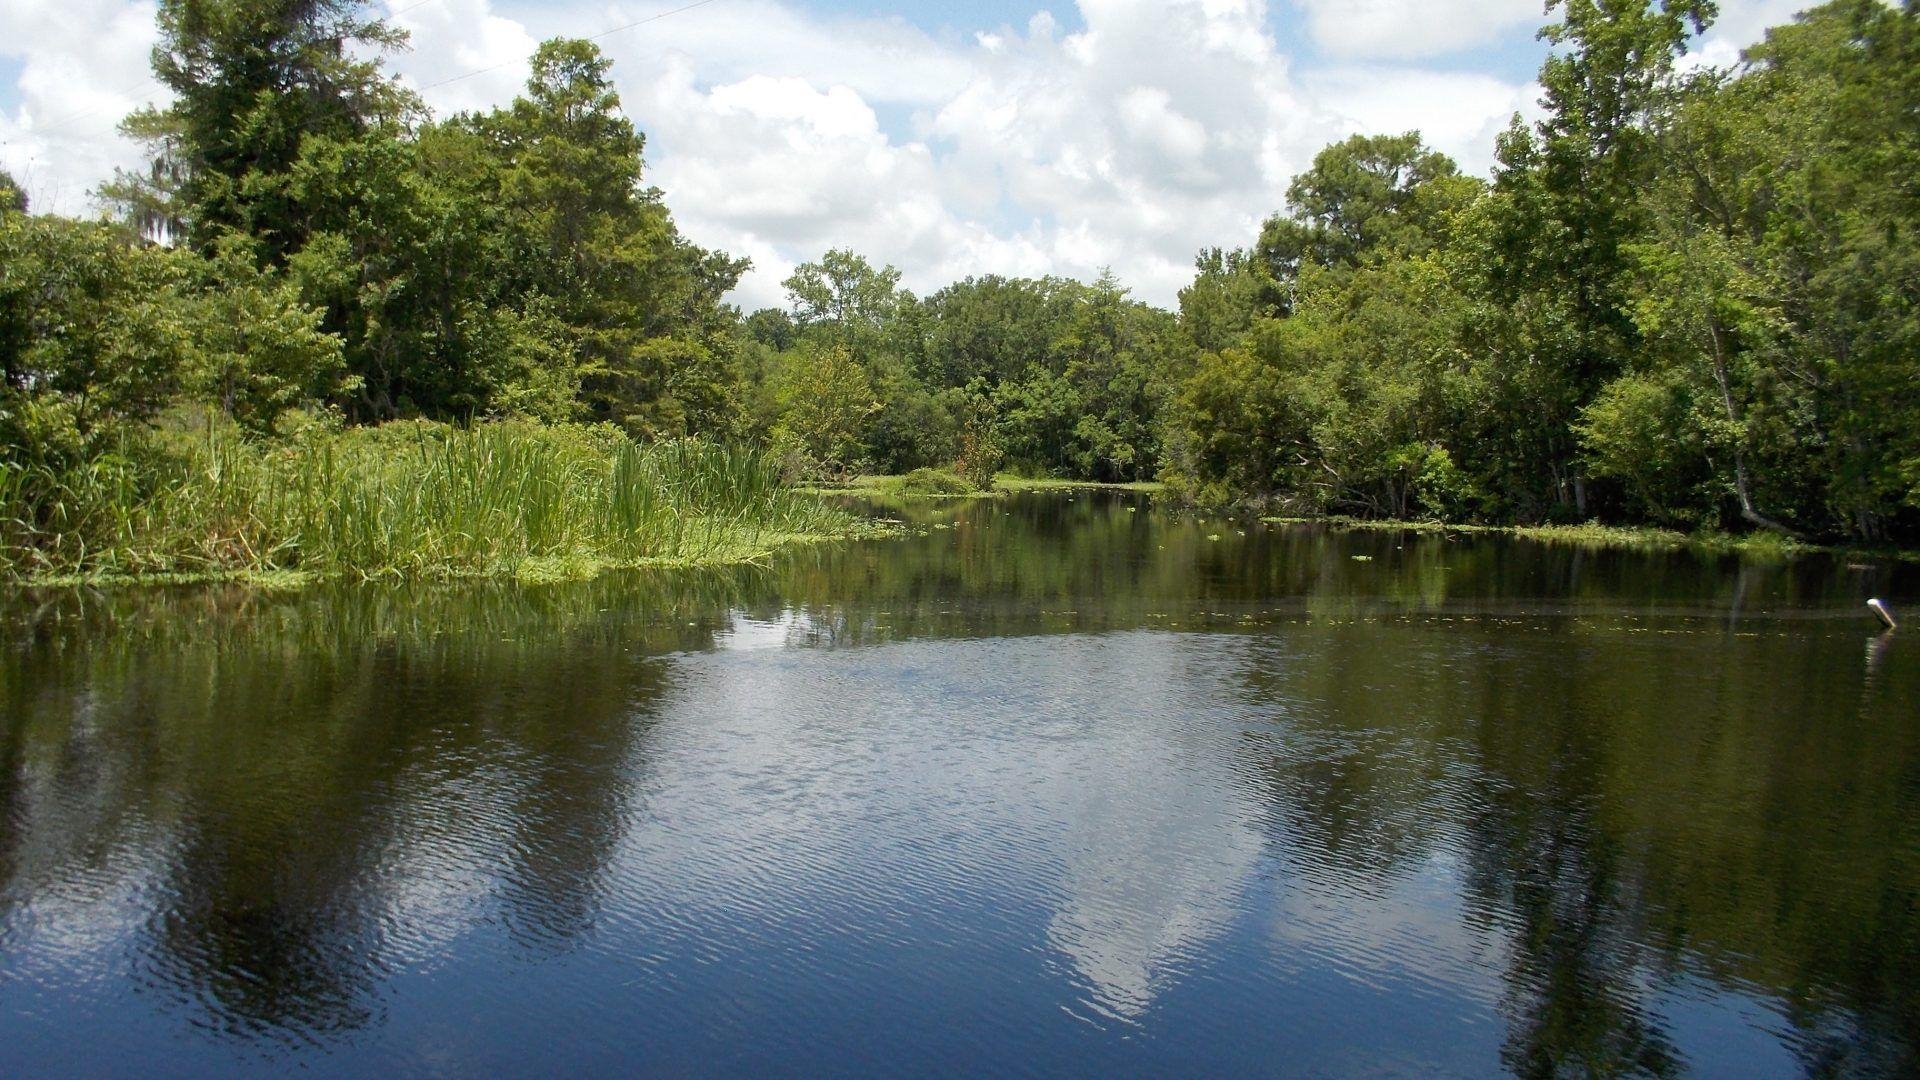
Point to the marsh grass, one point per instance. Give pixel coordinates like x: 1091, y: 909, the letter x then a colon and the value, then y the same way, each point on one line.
x: 1593, y: 534
x: 1011, y: 482
x: 950, y: 484
x: 405, y: 499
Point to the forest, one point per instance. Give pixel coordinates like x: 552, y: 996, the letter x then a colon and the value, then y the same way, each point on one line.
x: 1687, y: 297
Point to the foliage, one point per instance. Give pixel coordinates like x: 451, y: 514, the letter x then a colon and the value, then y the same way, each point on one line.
x: 1364, y: 199
x: 410, y: 498
x: 253, y: 81
x: 13, y: 197
x: 936, y: 482
x: 95, y: 335
x: 510, y: 263
x: 259, y: 350
x: 1348, y: 404
x: 828, y: 397
x: 1688, y: 298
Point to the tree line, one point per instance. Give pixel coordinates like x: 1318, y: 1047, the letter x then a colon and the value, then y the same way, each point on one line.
x: 1687, y: 296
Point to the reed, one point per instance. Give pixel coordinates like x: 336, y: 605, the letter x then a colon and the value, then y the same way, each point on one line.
x: 404, y: 499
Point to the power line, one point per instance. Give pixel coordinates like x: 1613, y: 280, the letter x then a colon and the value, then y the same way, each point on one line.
x: 590, y: 37
x: 44, y: 129
x: 409, y: 7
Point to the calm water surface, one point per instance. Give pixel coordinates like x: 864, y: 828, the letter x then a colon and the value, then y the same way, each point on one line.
x: 1063, y: 786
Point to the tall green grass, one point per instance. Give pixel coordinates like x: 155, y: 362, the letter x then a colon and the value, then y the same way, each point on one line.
x: 410, y: 499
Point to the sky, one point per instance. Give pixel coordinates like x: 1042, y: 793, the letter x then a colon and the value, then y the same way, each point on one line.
x: 1016, y: 137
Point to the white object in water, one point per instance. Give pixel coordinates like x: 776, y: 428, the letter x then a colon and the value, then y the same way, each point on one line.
x: 1886, y: 616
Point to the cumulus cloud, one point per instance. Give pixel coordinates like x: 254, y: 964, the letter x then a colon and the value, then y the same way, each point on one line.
x: 1148, y: 132
x: 1741, y: 23
x: 83, y: 65
x: 1129, y: 137
x: 1404, y: 29
x: 465, y: 56
x: 1458, y: 112
x: 1407, y: 28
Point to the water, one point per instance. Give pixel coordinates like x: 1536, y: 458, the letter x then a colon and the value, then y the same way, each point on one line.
x: 1063, y: 786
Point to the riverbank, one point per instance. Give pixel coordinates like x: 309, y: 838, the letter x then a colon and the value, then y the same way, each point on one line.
x: 404, y: 500
x: 1596, y: 535
x: 944, y: 484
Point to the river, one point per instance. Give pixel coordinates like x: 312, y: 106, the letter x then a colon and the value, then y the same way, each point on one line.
x: 1062, y: 785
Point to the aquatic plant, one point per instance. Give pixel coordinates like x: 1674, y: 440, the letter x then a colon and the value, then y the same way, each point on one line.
x: 408, y: 499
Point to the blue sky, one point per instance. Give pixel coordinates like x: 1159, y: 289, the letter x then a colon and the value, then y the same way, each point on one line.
x: 945, y: 138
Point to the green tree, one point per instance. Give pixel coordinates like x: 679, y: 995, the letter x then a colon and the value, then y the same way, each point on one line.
x: 407, y: 271
x: 253, y: 81
x: 95, y: 336
x: 845, y: 302
x: 1366, y: 197
x: 13, y: 198
x: 258, y: 350
x: 771, y: 327
x: 1230, y: 290
x: 1116, y: 353
x: 1567, y: 205
x: 845, y: 297
x: 1352, y: 404
x: 1832, y: 101
x: 567, y: 166
x: 1771, y: 309
x: 992, y: 329
x: 828, y: 399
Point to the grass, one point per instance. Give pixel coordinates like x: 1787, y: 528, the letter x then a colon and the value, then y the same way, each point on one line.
x: 1010, y: 482
x: 403, y: 500
x: 918, y: 484
x: 944, y: 484
x: 930, y: 483
x: 1590, y: 534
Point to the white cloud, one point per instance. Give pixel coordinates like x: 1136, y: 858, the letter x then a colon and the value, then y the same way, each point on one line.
x: 451, y: 38
x: 1455, y: 112
x: 1156, y: 128
x: 1151, y: 121
x: 1380, y: 29
x: 1741, y: 23
x: 1402, y: 29
x: 83, y: 67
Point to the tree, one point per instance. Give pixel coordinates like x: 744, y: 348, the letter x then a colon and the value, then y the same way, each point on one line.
x: 1567, y: 205
x: 828, y: 400
x: 1835, y: 104
x: 844, y: 296
x: 771, y: 327
x: 1230, y: 291
x: 585, y: 233
x: 94, y: 336
x: 13, y: 198
x: 151, y: 202
x: 1770, y: 305
x: 1365, y: 197
x: 258, y: 350
x: 992, y: 329
x: 253, y: 81
x: 1352, y: 404
x: 1352, y: 400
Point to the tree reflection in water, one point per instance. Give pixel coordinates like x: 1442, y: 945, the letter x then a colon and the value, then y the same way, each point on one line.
x: 1600, y: 784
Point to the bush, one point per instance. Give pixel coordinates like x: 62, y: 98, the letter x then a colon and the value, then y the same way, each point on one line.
x: 934, y: 482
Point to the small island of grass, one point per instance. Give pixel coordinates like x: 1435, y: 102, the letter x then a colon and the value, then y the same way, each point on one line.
x: 412, y: 499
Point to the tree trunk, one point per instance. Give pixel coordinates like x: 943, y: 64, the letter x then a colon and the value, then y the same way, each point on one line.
x: 1748, y: 512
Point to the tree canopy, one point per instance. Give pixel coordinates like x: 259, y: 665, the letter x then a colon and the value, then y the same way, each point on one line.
x: 1685, y: 296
